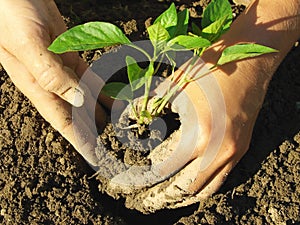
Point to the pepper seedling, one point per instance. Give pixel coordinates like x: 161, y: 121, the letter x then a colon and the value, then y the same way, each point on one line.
x: 168, y: 34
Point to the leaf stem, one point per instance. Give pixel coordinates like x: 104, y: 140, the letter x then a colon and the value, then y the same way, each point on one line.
x: 133, y: 110
x: 141, y: 50
x: 183, y: 80
x: 159, y: 64
x: 146, y: 94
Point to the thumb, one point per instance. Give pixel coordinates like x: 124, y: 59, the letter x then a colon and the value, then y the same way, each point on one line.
x: 52, y: 75
x: 46, y: 67
x: 28, y: 38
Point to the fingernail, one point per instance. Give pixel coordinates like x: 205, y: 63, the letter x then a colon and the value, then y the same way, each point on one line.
x: 75, y: 96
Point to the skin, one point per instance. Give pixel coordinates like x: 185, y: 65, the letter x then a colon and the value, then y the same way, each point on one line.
x: 51, y: 81
x: 48, y: 80
x: 244, y: 85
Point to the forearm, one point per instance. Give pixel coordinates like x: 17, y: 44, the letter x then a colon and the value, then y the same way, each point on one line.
x: 267, y: 22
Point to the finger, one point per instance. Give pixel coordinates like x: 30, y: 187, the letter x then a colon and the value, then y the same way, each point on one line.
x: 89, y: 85
x: 92, y: 81
x: 192, y: 106
x: 55, y: 110
x: 176, y: 192
x: 95, y: 84
x: 94, y: 111
x: 190, y: 184
x: 208, y: 190
x: 46, y: 67
x: 85, y: 136
x: 89, y: 79
x: 73, y: 61
x: 202, y: 114
x: 169, y: 192
x: 185, y: 184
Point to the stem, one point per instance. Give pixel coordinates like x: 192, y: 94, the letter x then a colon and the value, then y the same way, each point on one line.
x: 203, y: 74
x: 200, y: 52
x: 180, y: 84
x: 141, y: 50
x: 140, y: 118
x: 159, y: 64
x: 146, y: 95
x: 133, y: 110
x: 172, y: 77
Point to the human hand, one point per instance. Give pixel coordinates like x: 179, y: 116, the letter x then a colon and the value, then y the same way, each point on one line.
x: 223, y: 135
x: 215, y: 132
x: 50, y: 81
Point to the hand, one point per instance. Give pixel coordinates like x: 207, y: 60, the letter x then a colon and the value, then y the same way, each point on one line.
x: 215, y: 132
x: 217, y: 124
x: 243, y: 85
x: 50, y: 81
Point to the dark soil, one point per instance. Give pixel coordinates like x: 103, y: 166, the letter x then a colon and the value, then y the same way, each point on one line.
x: 43, y: 180
x: 132, y: 145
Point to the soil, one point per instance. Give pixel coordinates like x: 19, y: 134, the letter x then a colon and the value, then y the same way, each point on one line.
x: 43, y: 180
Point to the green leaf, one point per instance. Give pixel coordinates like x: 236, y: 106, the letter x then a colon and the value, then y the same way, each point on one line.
x: 196, y: 30
x: 213, y: 31
x: 168, y: 18
x: 89, y: 36
x: 146, y: 114
x: 118, y: 90
x: 158, y: 35
x: 149, y: 71
x: 182, y: 24
x: 243, y: 51
x: 216, y: 10
x: 135, y: 73
x: 188, y: 42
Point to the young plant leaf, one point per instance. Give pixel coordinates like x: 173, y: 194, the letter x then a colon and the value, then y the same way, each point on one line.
x: 213, y: 31
x: 242, y: 51
x: 182, y: 24
x: 195, y: 29
x: 216, y: 10
x: 118, y: 90
x: 188, y: 42
x: 168, y: 18
x: 158, y: 36
x: 135, y: 73
x: 88, y: 36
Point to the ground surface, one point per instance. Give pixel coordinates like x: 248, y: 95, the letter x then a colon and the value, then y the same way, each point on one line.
x: 44, y: 181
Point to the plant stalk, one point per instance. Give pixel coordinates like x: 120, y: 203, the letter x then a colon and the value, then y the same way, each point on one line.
x: 133, y: 110
x: 182, y: 81
x: 141, y: 50
x: 146, y: 96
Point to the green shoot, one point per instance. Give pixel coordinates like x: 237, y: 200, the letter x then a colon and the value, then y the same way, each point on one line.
x: 168, y: 34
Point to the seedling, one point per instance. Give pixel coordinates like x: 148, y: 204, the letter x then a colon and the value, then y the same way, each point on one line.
x: 168, y: 34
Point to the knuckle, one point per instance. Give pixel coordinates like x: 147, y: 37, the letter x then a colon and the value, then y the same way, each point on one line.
x: 49, y: 80
x: 231, y: 149
x: 21, y: 43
